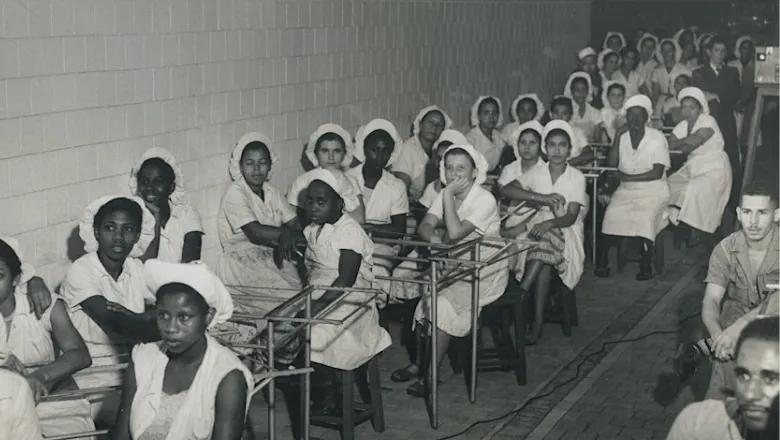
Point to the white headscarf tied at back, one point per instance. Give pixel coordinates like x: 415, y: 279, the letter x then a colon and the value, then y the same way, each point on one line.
x: 514, y: 138
x: 335, y: 129
x: 646, y: 36
x: 197, y: 275
x: 532, y: 96
x: 235, y: 158
x: 702, y: 41
x: 741, y: 40
x: 677, y: 49
x: 475, y: 110
x: 87, y: 225
x: 179, y: 195
x: 614, y: 34
x: 640, y: 101
x: 567, y: 88
x: 605, y: 91
x: 424, y: 112
x: 556, y: 124
x: 476, y: 156
x: 679, y: 33
x: 453, y: 136
x: 603, y: 55
x: 326, y: 177
x: 586, y: 52
x: 374, y: 125
x: 698, y: 95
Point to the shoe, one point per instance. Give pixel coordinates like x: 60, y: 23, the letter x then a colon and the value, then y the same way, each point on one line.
x: 646, y: 262
x: 689, y: 357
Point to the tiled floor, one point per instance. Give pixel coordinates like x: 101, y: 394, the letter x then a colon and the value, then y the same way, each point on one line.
x: 617, y: 404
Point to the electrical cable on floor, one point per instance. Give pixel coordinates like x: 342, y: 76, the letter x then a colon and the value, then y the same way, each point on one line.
x: 582, y: 363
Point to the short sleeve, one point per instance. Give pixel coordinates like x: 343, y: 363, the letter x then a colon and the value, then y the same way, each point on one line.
x: 437, y: 207
x: 352, y: 237
x: 403, y: 162
x: 481, y: 211
x: 579, y: 142
x: 81, y: 282
x: 428, y: 196
x: 352, y: 192
x: 508, y: 174
x: 280, y: 205
x: 660, y: 153
x: 680, y: 130
x: 190, y: 220
x: 401, y: 201
x: 46, y: 317
x: 236, y: 209
x: 576, y: 192
x: 706, y: 121
x: 718, y: 269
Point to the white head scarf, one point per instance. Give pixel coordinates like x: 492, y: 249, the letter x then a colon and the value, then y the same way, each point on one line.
x: 28, y: 271
x: 424, y: 112
x: 639, y: 101
x: 702, y: 41
x: 603, y: 54
x: 235, y: 158
x: 179, y: 195
x: 556, y: 124
x: 741, y: 40
x: 450, y: 135
x: 372, y: 126
x: 567, y: 89
x: 644, y: 37
x: 532, y: 96
x: 197, y: 275
x: 698, y: 95
x: 87, y: 225
x: 514, y: 138
x: 328, y: 178
x: 586, y: 52
x: 614, y: 34
x: 475, y: 111
x: 605, y: 91
x: 679, y: 33
x: 335, y: 129
x: 476, y: 156
x: 677, y: 50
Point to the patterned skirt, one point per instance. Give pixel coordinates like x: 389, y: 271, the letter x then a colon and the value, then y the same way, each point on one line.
x: 550, y: 248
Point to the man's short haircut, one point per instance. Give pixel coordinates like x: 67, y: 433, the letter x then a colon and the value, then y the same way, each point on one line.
x: 762, y: 329
x: 760, y: 188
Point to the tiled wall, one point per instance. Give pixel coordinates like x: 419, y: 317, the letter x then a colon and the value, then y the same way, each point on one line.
x: 87, y: 85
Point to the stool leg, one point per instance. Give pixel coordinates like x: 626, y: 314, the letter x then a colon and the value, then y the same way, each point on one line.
x: 659, y: 253
x: 622, y: 249
x: 575, y: 320
x: 347, y: 403
x: 375, y: 388
x: 520, y: 308
x: 566, y: 322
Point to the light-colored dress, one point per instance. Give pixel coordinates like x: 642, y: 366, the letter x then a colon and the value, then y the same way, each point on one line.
x: 665, y: 78
x: 639, y: 209
x: 510, y: 173
x: 700, y: 189
x: 18, y: 420
x: 632, y: 83
x: 587, y: 122
x: 412, y: 161
x: 491, y: 147
x: 351, y: 344
x: 184, y: 219
x: 610, y: 118
x: 188, y: 415
x: 454, y: 301
x: 247, y: 268
x: 645, y: 70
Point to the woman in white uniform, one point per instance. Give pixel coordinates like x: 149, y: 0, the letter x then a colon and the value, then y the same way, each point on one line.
x: 484, y: 136
x: 614, y: 41
x: 627, y: 74
x: 646, y: 46
x: 584, y: 116
x: 18, y: 419
x: 700, y: 189
x: 448, y: 137
x: 613, y: 115
x: 416, y: 151
x: 178, y: 231
x: 638, y: 208
x: 526, y: 107
x: 462, y: 211
x: 30, y: 344
x: 668, y: 53
x: 608, y: 63
x: 186, y: 386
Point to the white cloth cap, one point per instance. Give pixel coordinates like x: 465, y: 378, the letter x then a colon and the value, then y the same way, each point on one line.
x: 741, y: 40
x: 603, y: 54
x: 235, y: 158
x: 197, y: 275
x: 605, y: 91
x: 450, y: 135
x: 572, y: 77
x: 644, y: 37
x: 556, y: 124
x: 374, y: 125
x: 586, y: 52
x: 431, y: 108
x: 28, y: 271
x: 702, y: 41
x: 614, y: 34
x: 639, y: 101
x: 514, y: 138
x: 698, y: 95
x: 677, y: 49
x: 676, y: 36
x: 532, y: 96
x: 335, y: 129
x: 476, y: 156
x: 475, y: 111
x: 327, y: 177
x: 179, y: 195
x: 87, y: 225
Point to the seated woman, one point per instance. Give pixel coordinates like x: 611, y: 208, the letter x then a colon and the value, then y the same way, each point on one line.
x: 257, y: 229
x: 561, y: 109
x: 627, y: 74
x: 30, y: 344
x: 700, y: 189
x: 668, y: 54
x: 668, y: 107
x: 448, y: 137
x: 560, y: 190
x: 608, y: 63
x: 186, y: 386
x: 18, y: 419
x: 178, y: 232
x: 485, y: 137
x: 416, y: 151
x: 638, y: 206
x: 339, y: 254
x: 584, y: 116
x: 614, y: 41
x: 106, y: 292
x: 330, y: 147
x: 613, y: 115
x: 526, y: 107
x: 462, y: 211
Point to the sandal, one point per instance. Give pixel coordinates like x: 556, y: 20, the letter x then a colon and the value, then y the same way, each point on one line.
x: 533, y: 339
x: 405, y: 374
x: 416, y: 389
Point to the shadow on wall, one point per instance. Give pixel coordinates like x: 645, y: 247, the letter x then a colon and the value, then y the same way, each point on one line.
x: 75, y: 245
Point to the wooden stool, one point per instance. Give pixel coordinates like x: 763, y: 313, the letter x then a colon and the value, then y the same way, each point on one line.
x: 623, y: 257
x: 354, y: 413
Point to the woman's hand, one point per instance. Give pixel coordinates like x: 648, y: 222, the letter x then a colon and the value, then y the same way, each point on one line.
x: 513, y: 231
x: 38, y: 295
x: 14, y: 364
x: 552, y: 200
x: 287, y: 241
x: 37, y: 386
x: 604, y: 199
x: 540, y: 229
x: 457, y: 185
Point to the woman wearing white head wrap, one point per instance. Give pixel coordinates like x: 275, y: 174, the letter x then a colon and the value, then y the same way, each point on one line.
x: 614, y: 41
x: 686, y: 41
x: 668, y: 54
x: 526, y: 142
x: 745, y: 51
x: 158, y: 180
x: 613, y: 115
x: 466, y: 211
x: 638, y: 206
x: 647, y: 63
x: 188, y: 385
x: 526, y: 107
x: 700, y: 189
x: 668, y: 108
x: 416, y: 151
x: 448, y: 137
x: 701, y: 42
x: 484, y: 136
x: 627, y: 73
x: 587, y: 61
x: 30, y: 344
x: 608, y: 63
x: 257, y: 229
x: 585, y: 116
x: 106, y: 292
x: 330, y: 148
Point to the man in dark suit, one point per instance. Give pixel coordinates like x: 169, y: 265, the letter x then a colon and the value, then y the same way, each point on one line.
x: 720, y: 84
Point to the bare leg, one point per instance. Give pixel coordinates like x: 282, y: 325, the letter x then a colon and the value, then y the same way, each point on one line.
x: 542, y: 288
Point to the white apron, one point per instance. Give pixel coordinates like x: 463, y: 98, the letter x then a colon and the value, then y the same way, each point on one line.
x: 639, y: 209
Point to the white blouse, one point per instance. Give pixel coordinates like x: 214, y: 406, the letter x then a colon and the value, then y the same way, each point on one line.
x: 665, y: 78
x: 478, y: 208
x: 587, y: 122
x: 184, y: 219
x: 412, y: 161
x: 714, y: 144
x: 490, y: 148
x: 388, y: 198
x: 653, y: 149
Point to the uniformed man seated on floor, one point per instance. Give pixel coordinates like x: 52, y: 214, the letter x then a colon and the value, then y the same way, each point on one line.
x: 753, y: 413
